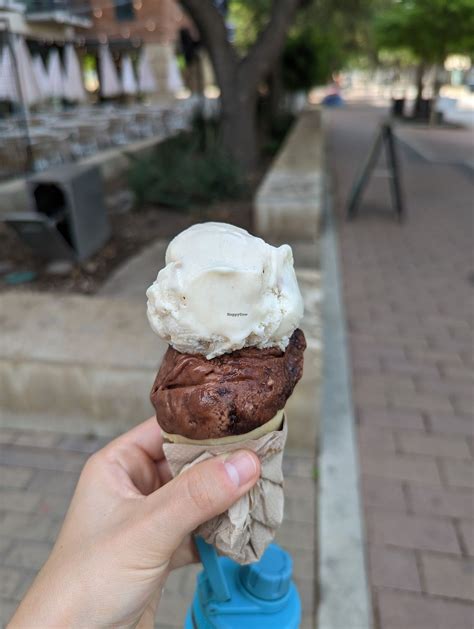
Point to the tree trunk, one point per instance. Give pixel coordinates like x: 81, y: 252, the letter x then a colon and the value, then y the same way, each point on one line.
x: 239, y: 78
x: 436, y: 90
x: 275, y: 96
x: 239, y: 126
x: 420, y: 73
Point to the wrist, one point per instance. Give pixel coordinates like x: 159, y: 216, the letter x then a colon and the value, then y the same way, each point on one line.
x: 53, y: 600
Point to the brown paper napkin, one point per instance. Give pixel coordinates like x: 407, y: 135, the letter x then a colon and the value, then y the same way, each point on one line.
x: 245, y: 530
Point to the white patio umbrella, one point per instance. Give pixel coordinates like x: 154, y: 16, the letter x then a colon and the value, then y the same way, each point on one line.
x: 129, y: 82
x: 55, y: 75
x: 109, y: 81
x: 42, y: 78
x: 8, y: 86
x: 29, y: 86
x: 146, y: 78
x: 174, y: 79
x: 73, y: 83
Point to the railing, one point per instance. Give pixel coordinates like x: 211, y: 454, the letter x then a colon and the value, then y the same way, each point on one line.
x: 74, y: 7
x: 12, y: 5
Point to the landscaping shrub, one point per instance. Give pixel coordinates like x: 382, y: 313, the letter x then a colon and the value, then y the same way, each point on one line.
x: 278, y: 129
x: 188, y: 170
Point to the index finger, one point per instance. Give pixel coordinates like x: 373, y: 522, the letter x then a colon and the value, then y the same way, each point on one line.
x: 147, y: 436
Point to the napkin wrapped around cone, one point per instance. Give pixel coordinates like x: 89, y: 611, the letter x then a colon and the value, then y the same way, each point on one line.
x: 244, y: 531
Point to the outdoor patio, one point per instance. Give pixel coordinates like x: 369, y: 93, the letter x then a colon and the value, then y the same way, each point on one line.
x: 64, y: 136
x: 54, y: 113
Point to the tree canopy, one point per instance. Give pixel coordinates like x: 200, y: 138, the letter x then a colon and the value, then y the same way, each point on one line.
x: 429, y: 29
x: 325, y: 35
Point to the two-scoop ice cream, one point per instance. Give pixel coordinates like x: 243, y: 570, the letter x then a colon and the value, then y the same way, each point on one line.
x: 229, y: 305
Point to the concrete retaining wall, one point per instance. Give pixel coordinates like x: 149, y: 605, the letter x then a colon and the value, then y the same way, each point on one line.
x: 288, y: 208
x: 289, y: 202
x: 74, y: 363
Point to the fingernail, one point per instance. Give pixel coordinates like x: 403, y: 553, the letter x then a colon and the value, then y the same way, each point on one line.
x: 240, y: 467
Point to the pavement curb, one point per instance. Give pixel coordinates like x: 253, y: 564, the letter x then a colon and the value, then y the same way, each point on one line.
x: 344, y: 591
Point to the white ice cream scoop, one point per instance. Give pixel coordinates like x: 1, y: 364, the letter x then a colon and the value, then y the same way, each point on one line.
x: 223, y: 289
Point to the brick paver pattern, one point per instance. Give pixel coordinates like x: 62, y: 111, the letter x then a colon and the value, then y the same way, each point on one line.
x: 408, y: 298
x: 38, y: 473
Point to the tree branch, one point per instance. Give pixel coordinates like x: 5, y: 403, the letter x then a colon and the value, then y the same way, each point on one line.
x: 266, y: 49
x: 213, y: 33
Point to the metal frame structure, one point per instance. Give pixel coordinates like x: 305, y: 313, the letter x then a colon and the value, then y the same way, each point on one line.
x: 383, y: 139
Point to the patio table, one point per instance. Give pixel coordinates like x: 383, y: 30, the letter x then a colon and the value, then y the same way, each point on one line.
x: 86, y: 136
x: 47, y: 148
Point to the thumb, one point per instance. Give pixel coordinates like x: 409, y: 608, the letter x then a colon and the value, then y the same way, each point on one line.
x: 200, y: 493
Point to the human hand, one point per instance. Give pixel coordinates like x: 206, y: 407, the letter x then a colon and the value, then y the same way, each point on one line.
x: 128, y: 525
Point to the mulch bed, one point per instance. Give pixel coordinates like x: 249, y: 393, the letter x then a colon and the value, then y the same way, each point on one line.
x: 131, y: 232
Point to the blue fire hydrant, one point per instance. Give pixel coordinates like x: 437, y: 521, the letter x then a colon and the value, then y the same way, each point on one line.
x: 261, y: 595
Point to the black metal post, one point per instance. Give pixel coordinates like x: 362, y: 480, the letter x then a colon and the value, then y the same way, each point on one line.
x: 362, y: 179
x: 395, y: 183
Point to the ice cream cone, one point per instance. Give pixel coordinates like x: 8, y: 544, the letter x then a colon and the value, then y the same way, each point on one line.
x: 229, y: 306
x: 245, y: 530
x: 273, y: 424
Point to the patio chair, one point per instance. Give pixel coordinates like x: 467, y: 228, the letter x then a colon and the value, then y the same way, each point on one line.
x: 116, y: 130
x: 144, y: 122
x: 89, y: 140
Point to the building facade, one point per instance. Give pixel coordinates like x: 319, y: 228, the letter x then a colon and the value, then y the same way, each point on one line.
x: 144, y: 21
x: 152, y: 25
x: 46, y: 20
x: 126, y: 26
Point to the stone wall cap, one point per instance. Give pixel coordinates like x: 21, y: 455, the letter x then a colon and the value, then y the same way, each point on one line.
x: 77, y: 329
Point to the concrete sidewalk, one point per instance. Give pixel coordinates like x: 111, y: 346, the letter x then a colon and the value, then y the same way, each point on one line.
x: 440, y: 145
x: 408, y: 298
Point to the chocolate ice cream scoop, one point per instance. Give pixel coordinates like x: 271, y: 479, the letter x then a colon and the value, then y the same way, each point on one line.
x: 232, y: 394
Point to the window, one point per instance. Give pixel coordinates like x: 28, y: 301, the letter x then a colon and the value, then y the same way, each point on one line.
x: 124, y: 11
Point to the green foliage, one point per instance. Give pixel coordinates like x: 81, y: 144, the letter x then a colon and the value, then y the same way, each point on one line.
x: 188, y: 170
x: 277, y: 132
x: 401, y: 57
x: 249, y: 18
x: 310, y: 57
x: 327, y: 36
x: 326, y: 33
x: 429, y: 29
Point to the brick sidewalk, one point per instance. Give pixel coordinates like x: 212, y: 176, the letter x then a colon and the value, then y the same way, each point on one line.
x: 38, y: 473
x: 408, y: 298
